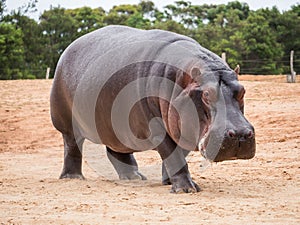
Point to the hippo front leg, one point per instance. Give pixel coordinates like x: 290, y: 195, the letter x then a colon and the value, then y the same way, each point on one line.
x: 175, y: 168
x: 165, y: 176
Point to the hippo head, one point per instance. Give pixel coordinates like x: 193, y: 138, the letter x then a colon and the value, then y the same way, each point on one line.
x: 227, y: 134
x: 219, y: 130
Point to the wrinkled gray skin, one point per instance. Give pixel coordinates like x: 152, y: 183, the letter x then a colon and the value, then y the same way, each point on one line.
x: 96, y: 67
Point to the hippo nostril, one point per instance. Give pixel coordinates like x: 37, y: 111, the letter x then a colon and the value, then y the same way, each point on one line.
x: 249, y: 134
x: 246, y: 135
x: 231, y: 133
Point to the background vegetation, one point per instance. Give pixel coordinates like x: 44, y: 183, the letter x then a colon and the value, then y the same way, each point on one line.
x: 259, y: 41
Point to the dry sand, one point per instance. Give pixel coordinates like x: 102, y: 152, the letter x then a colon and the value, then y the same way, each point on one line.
x: 263, y: 190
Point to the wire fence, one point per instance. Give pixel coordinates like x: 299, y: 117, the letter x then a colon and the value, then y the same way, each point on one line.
x: 265, y: 67
x: 251, y: 67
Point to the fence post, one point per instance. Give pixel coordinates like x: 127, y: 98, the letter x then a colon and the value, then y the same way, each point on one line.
x: 47, y: 73
x: 223, y: 56
x: 292, y: 77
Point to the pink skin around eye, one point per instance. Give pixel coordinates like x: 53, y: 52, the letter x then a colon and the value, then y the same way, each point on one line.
x: 205, y: 97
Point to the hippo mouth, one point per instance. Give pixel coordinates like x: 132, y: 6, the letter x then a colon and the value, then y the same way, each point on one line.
x: 203, y: 143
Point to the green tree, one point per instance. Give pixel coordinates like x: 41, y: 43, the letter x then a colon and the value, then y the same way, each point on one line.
x: 138, y: 21
x: 87, y: 19
x: 262, y: 47
x: 130, y: 15
x: 241, y: 8
x: 59, y: 30
x: 170, y: 25
x: 150, y: 13
x: 147, y: 9
x: 190, y: 16
x: 288, y: 33
x: 11, y: 52
x: 32, y: 52
x: 220, y: 30
x: 119, y: 15
x: 2, y: 8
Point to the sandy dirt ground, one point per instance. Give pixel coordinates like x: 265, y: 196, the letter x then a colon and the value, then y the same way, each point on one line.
x: 263, y: 190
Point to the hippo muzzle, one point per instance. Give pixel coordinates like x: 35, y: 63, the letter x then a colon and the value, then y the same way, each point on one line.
x: 233, y: 145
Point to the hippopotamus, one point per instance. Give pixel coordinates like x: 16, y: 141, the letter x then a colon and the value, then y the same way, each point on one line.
x: 135, y: 90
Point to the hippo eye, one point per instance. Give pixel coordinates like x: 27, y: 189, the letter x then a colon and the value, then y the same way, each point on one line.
x: 206, y: 94
x: 209, y: 95
x: 205, y: 97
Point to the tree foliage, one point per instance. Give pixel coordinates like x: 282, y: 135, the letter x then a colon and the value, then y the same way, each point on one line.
x: 11, y: 51
x: 2, y: 8
x: 260, y: 41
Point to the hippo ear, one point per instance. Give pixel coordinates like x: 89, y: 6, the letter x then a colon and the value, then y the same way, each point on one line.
x: 195, y: 72
x: 237, y: 71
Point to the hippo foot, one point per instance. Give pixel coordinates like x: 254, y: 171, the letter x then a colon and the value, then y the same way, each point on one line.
x: 134, y: 175
x: 184, y: 186
x: 71, y: 176
x: 166, y: 182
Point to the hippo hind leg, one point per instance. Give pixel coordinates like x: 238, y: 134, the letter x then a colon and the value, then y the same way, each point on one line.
x: 72, y: 157
x: 125, y: 165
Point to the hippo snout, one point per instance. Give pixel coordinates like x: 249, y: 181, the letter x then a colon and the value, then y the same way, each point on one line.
x: 230, y: 144
x: 237, y: 144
